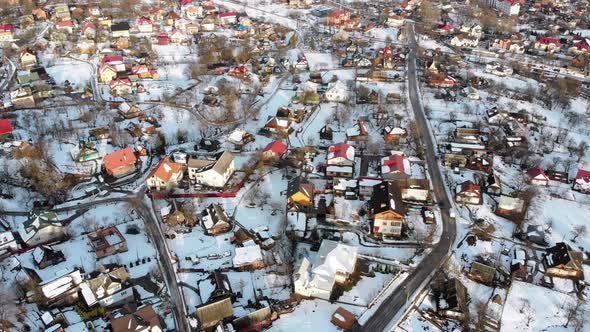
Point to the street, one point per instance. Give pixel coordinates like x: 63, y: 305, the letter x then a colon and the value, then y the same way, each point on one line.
x: 390, y: 307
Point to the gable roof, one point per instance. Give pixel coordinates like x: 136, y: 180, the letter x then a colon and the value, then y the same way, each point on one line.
x: 387, y: 196
x: 341, y: 150
x: 277, y: 147
x: 536, y: 172
x: 581, y: 176
x: 471, y: 187
x: 5, y: 127
x: 300, y: 184
x: 395, y: 163
x: 165, y: 170
x: 145, y: 316
x: 124, y: 157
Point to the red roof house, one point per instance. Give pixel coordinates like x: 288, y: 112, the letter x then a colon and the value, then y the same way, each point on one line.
x: 537, y: 176
x: 165, y: 176
x: 274, y: 151
x: 5, y: 128
x: 120, y: 163
x: 582, y: 182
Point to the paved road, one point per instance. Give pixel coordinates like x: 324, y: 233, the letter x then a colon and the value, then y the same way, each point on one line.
x: 390, y: 307
x: 154, y: 231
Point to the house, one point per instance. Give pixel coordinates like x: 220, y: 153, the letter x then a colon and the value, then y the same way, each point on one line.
x: 227, y: 18
x: 62, y: 12
x: 537, y: 176
x: 165, y: 176
x: 468, y: 193
x: 190, y: 10
x: 6, y: 32
x: 107, y: 289
x: 178, y: 37
x: 121, y: 86
x: 395, y: 166
x: 340, y: 161
x: 120, y: 29
x: 300, y: 193
x: 278, y: 125
x: 144, y: 319
x: 392, y: 135
x: 5, y: 129
x: 274, y: 151
x: 337, y: 92
x: 40, y: 14
x: 22, y: 98
x: 27, y: 59
x: 106, y: 242
x: 462, y: 41
x: 240, y: 138
x: 8, y: 244
x: 358, y: 133
x: 547, y: 44
x: 338, y: 17
x: 415, y: 191
x: 192, y: 28
x: 561, y: 261
x: 493, y: 184
x: 508, y: 7
x: 442, y: 81
x: 106, y: 73
x: 387, y: 210
x: 60, y: 291
x: 335, y: 263
x: 248, y: 258
x: 212, y: 173
x: 45, y: 256
x: 41, y: 228
x: 215, y: 220
x: 84, y: 152
x: 482, y: 273
x: 211, y: 314
x: 120, y: 163
x: 395, y: 21
x: 145, y: 25
x: 510, y: 206
x: 451, y: 296
x: 581, y: 183
x: 67, y: 26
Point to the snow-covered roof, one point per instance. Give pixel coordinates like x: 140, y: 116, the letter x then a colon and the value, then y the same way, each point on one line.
x: 247, y: 255
x: 334, y: 257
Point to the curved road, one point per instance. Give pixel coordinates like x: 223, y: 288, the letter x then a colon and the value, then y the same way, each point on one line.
x: 392, y: 305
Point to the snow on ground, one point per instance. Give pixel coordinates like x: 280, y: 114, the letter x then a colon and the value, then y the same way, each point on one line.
x: 533, y: 308
x: 311, y: 316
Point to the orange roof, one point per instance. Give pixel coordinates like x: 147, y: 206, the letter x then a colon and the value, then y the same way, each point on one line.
x: 165, y: 170
x: 120, y: 158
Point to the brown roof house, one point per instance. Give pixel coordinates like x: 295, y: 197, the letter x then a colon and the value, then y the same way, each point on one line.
x: 213, y: 313
x: 215, y: 220
x: 109, y: 289
x: 482, y: 273
x: 343, y: 318
x: 468, y: 193
x: 144, y: 319
x: 108, y: 241
x: 561, y: 261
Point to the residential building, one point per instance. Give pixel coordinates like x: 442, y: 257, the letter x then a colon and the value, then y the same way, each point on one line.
x: 300, y: 193
x: 27, y: 59
x: 335, y: 263
x: 120, y: 163
x: 274, y: 151
x: 468, y: 193
x: 45, y: 256
x: 41, y: 228
x: 165, y: 176
x: 59, y: 291
x: 144, y: 319
x: 120, y: 29
x: 563, y: 262
x: 215, y: 220
x: 387, y: 210
x: 107, y: 289
x: 396, y: 166
x: 340, y: 161
x: 211, y: 314
x: 212, y: 173
x: 581, y: 183
x: 537, y: 176
x: 248, y: 258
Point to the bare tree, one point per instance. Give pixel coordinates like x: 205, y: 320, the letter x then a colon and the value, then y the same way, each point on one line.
x: 579, y: 230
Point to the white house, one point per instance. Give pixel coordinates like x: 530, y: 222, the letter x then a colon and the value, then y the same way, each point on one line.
x: 338, y: 92
x: 165, y: 176
x: 464, y: 41
x: 508, y: 7
x: 335, y: 263
x: 41, y: 228
x: 212, y: 173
